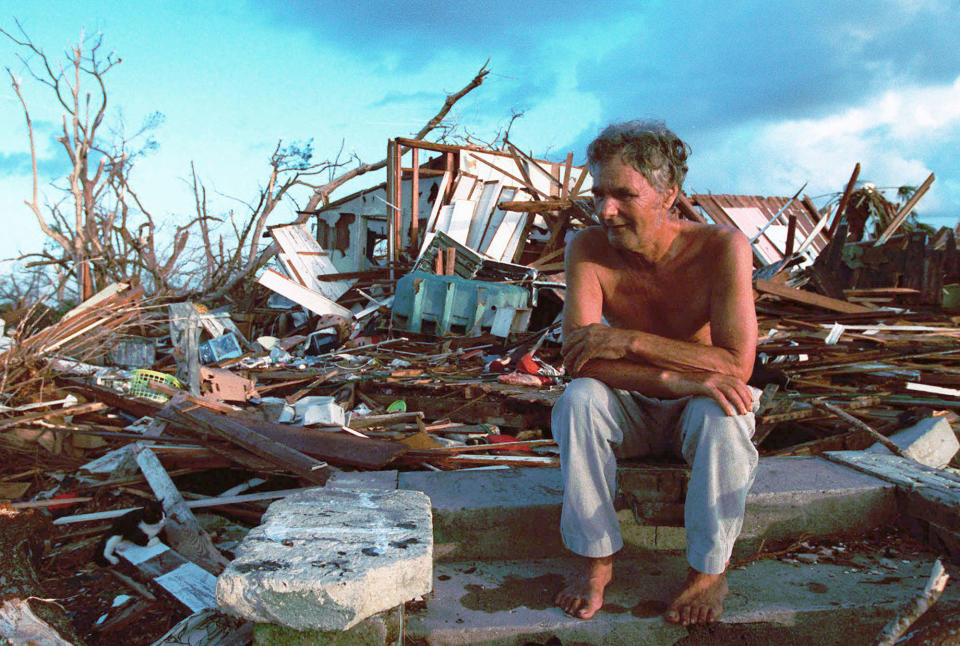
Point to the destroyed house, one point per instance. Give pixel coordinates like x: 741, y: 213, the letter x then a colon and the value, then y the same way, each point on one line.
x: 461, y: 192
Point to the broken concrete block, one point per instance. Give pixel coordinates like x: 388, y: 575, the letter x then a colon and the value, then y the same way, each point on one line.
x: 930, y: 441
x: 326, y: 559
x: 382, y: 629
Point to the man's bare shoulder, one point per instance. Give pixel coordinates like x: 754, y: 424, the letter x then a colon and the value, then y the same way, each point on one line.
x: 715, y: 240
x: 588, y: 244
x: 717, y: 233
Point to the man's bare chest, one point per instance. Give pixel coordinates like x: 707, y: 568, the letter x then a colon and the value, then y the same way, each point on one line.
x: 672, y: 304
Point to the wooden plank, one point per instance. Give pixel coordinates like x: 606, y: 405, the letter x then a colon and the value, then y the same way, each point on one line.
x: 59, y: 412
x: 567, y: 166
x: 939, y: 489
x: 190, y: 584
x: 329, y: 446
x: 496, y: 219
x: 808, y: 298
x: 486, y: 204
x: 335, y: 447
x: 905, y: 211
x: 508, y: 460
x: 99, y: 298
x: 521, y: 184
x: 214, y: 501
x: 687, y: 210
x: 182, y: 529
x: 196, y: 401
x: 312, y: 300
x: 134, y: 405
x: 820, y: 221
x: 791, y: 234
x: 461, y: 215
x: 242, y: 435
x: 414, y: 202
x: 309, y: 260
x: 368, y: 421
x: 842, y: 205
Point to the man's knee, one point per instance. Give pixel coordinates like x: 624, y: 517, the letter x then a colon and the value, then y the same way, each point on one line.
x: 580, y: 399
x: 582, y: 392
x: 705, y: 422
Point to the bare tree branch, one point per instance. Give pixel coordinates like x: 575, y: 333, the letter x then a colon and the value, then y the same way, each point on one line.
x: 321, y: 193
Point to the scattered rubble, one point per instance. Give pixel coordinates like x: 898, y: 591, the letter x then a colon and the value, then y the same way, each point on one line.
x: 418, y: 329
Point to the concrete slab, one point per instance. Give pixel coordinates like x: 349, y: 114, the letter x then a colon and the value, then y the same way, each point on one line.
x: 509, y: 603
x: 503, y: 513
x: 930, y: 441
x: 325, y: 559
x: 384, y: 480
x: 382, y: 629
x: 515, y: 513
x: 793, y: 495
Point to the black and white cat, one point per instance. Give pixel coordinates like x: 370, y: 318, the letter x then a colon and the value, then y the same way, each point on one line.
x: 139, y: 526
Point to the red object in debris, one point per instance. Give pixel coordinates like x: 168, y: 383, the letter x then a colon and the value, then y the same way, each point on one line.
x: 528, y: 365
x: 522, y: 379
x: 65, y: 496
x: 500, y: 438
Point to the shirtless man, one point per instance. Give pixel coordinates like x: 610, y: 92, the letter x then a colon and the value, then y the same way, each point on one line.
x: 665, y: 374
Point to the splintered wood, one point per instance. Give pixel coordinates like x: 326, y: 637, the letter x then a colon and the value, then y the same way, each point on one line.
x: 86, y: 331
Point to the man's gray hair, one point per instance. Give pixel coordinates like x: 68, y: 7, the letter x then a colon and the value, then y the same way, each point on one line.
x: 648, y: 146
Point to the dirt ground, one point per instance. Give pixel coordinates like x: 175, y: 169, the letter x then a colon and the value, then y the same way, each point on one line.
x: 88, y: 592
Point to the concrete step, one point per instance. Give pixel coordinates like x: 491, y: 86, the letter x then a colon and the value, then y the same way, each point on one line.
x: 509, y: 603
x: 515, y: 513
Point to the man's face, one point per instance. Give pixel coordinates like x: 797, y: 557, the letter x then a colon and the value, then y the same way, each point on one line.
x: 629, y: 208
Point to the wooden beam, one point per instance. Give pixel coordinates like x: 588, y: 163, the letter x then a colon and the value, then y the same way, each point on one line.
x: 808, y: 298
x: 567, y: 167
x: 214, y: 501
x: 791, y: 234
x: 842, y: 206
x: 396, y: 202
x: 415, y: 204
x: 687, y: 210
x: 58, y: 412
x: 308, y: 298
x: 236, y: 432
x: 905, y: 211
x: 183, y: 531
x: 528, y: 206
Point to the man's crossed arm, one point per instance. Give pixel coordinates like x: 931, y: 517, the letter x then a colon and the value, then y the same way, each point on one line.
x: 660, y: 366
x: 585, y: 357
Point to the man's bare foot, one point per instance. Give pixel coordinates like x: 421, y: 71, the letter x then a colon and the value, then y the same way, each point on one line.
x: 701, y: 600
x: 583, y: 596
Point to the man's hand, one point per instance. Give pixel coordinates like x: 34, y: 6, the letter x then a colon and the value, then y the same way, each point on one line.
x: 733, y: 395
x: 595, y: 341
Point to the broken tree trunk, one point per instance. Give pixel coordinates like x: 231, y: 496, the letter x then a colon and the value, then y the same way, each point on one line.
x: 183, y: 531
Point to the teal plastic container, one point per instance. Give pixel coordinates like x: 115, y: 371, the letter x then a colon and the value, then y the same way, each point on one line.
x: 451, y: 305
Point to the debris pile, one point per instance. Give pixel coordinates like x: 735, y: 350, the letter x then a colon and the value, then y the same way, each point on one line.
x: 418, y: 328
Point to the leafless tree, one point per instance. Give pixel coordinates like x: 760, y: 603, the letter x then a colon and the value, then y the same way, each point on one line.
x: 283, y: 177
x: 101, y: 232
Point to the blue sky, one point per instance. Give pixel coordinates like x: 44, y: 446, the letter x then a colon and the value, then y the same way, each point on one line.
x: 768, y: 94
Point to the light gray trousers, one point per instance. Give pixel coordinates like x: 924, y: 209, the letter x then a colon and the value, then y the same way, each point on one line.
x: 595, y: 424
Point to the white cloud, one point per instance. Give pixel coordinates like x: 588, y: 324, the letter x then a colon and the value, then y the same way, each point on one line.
x: 895, y: 136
